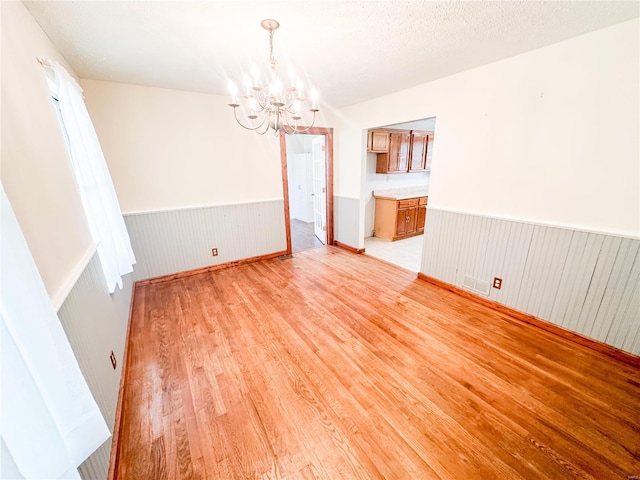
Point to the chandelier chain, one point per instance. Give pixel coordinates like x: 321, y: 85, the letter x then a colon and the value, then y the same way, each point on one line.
x: 271, y: 59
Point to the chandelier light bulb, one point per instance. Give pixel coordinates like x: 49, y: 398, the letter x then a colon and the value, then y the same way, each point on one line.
x: 255, y: 73
x: 233, y: 90
x: 292, y: 78
x: 300, y: 89
x: 253, y: 106
x: 247, y: 86
x: 296, y: 110
x: 277, y: 105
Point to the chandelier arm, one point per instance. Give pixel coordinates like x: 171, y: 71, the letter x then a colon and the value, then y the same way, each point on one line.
x: 266, y: 129
x: 289, y: 109
x: 289, y: 98
x: 293, y: 129
x: 261, y: 108
x: 288, y: 120
x: 235, y: 114
x: 261, y: 98
x: 266, y: 126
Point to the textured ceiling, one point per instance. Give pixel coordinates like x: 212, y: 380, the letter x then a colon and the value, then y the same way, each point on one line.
x: 351, y: 50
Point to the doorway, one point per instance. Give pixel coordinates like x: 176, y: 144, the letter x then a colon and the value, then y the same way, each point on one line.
x: 380, y: 190
x: 307, y: 181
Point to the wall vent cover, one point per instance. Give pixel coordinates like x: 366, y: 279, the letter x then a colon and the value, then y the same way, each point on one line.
x: 476, y: 285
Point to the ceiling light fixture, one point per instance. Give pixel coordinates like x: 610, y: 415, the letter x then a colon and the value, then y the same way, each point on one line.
x: 274, y: 105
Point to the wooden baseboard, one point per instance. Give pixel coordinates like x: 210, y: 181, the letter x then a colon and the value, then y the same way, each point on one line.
x: 621, y: 355
x: 348, y: 247
x: 114, y: 456
x: 211, y: 268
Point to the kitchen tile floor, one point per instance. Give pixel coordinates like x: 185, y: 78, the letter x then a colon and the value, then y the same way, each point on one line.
x: 405, y: 253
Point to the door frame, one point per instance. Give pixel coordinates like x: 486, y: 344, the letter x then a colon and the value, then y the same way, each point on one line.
x: 328, y: 134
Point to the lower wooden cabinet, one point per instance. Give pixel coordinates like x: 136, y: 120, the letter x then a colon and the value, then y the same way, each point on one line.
x: 422, y: 214
x: 396, y: 219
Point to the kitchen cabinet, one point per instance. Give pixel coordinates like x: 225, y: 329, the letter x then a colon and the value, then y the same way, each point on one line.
x: 429, y: 154
x: 396, y: 219
x: 396, y: 160
x: 406, y: 218
x: 419, y: 144
x: 378, y: 141
x: 422, y: 214
x: 401, y: 151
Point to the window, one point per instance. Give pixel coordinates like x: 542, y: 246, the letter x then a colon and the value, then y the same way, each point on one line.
x: 92, y: 176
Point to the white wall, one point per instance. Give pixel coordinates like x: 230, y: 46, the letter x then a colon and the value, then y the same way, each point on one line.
x: 549, y: 136
x: 300, y: 176
x: 35, y: 167
x: 170, y: 149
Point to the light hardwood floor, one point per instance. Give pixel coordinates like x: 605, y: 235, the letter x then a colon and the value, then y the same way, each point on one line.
x: 334, y: 365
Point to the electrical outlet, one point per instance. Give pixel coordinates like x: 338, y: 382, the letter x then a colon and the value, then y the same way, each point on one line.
x: 214, y: 252
x: 497, y: 283
x: 112, y: 357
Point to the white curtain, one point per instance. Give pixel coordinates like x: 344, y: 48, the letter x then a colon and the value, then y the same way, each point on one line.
x: 50, y: 421
x: 92, y: 175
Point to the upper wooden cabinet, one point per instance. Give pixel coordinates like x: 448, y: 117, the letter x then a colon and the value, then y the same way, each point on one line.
x: 429, y: 152
x: 378, y: 141
x: 401, y: 151
x: 397, y: 160
x: 419, y: 143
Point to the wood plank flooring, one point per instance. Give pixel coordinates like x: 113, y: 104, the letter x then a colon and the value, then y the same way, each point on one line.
x: 334, y: 365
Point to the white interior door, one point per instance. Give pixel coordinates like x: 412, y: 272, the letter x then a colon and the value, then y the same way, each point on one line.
x: 319, y: 188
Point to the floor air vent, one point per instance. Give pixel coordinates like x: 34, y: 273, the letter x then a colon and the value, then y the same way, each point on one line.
x: 476, y: 285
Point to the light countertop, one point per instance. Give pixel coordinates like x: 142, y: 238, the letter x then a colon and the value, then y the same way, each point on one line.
x: 401, y: 193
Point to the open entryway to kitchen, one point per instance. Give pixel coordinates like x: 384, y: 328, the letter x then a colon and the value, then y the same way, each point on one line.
x: 309, y: 186
x: 396, y: 191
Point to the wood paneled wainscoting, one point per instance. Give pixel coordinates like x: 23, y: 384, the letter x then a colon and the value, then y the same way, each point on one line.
x: 582, y: 281
x: 335, y: 365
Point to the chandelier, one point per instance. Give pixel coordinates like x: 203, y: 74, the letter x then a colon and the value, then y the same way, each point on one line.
x: 272, y: 105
